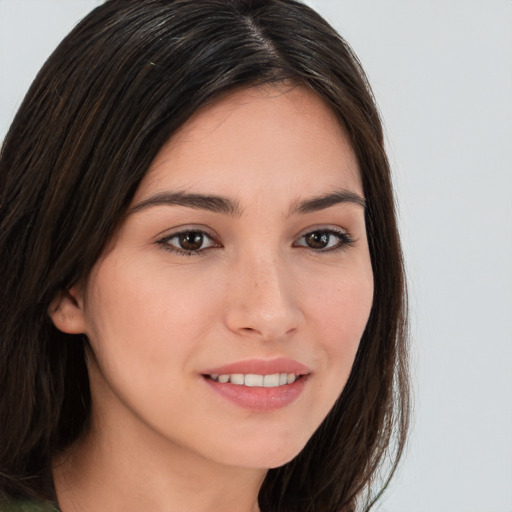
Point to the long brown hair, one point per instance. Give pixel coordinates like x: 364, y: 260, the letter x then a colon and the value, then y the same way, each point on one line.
x: 117, y: 87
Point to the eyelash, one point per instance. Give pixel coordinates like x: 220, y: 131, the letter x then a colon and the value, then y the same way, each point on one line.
x: 164, y: 242
x: 344, y: 241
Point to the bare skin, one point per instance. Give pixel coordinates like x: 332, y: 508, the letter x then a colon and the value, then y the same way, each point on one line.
x: 279, y: 272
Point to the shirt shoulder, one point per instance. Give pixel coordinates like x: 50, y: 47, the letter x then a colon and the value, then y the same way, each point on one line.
x: 26, y: 506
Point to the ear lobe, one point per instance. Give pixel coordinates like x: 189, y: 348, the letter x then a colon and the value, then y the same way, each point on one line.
x: 66, y: 311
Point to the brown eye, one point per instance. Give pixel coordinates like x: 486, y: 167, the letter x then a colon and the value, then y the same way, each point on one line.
x: 323, y: 240
x: 191, y: 240
x: 188, y: 243
x: 317, y: 239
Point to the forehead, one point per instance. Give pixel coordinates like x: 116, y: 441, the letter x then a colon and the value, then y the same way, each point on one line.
x: 257, y: 138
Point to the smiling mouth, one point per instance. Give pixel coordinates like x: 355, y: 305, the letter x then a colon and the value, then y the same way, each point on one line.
x: 264, y: 386
x: 254, y: 380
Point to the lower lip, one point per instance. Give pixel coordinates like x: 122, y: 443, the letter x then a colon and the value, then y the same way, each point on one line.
x: 259, y: 398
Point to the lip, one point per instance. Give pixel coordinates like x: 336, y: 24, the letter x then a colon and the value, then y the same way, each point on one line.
x: 261, y: 367
x: 259, y: 399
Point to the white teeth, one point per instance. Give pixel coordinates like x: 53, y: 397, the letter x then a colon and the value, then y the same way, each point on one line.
x: 237, y: 378
x: 253, y: 380
x: 271, y: 381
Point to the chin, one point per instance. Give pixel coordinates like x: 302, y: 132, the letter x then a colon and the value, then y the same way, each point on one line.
x: 266, y: 455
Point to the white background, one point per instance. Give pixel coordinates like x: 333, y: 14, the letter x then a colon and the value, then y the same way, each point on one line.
x: 442, y: 75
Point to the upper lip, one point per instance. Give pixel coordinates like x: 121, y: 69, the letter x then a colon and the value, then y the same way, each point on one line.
x: 260, y: 367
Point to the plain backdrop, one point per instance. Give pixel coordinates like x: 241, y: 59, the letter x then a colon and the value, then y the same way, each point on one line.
x: 442, y: 75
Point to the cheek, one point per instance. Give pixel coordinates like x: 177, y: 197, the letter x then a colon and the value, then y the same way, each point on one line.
x: 338, y: 309
x: 144, y: 329
x: 343, y: 301
x: 341, y: 308
x: 138, y: 314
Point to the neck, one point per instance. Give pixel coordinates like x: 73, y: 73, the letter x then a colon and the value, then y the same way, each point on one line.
x: 109, y: 472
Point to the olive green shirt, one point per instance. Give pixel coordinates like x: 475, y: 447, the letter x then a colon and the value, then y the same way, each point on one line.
x: 26, y: 506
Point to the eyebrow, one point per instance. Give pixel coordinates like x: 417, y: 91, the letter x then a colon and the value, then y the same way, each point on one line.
x: 219, y: 204
x: 216, y: 204
x: 326, y: 201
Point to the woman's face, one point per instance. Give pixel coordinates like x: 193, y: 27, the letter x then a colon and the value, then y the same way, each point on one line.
x: 242, y: 265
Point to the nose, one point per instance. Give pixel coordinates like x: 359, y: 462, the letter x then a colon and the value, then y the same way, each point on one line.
x: 263, y: 300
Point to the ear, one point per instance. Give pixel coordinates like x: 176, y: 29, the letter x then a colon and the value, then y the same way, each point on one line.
x: 67, y: 312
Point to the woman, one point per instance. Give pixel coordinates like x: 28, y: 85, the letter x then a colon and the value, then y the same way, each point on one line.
x: 203, y: 301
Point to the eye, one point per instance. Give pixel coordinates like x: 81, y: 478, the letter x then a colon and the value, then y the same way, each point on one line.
x: 189, y: 242
x: 325, y: 240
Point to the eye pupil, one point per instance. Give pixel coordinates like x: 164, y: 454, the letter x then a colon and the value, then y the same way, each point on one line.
x: 191, y: 241
x: 317, y: 239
